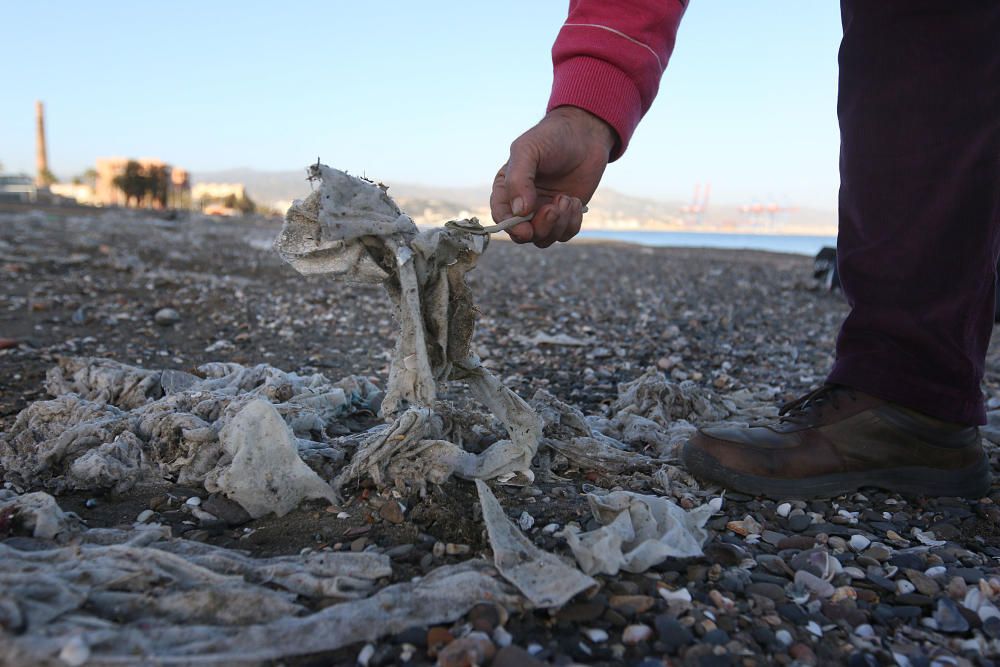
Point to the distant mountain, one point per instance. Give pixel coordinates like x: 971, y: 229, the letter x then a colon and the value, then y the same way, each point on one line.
x: 609, y: 209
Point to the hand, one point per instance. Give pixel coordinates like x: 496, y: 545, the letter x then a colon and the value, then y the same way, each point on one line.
x: 553, y: 170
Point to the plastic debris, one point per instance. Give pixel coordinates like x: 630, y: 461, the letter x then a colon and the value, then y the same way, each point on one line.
x: 352, y: 230
x: 112, y: 427
x: 266, y: 474
x: 542, y: 577
x: 39, y: 514
x: 638, y: 531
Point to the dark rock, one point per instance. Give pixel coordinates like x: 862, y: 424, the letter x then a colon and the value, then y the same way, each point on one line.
x: 484, y: 617
x: 672, y: 633
x: 769, y: 590
x: 515, y: 656
x: 906, y: 561
x: 914, y: 599
x: 969, y: 574
x: 717, y: 637
x: 226, y: 510
x: 581, y: 612
x: 799, y: 522
x: 792, y: 612
x: 724, y: 554
x: 949, y: 618
x: 991, y: 627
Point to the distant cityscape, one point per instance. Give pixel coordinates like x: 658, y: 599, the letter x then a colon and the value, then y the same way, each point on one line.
x: 149, y: 182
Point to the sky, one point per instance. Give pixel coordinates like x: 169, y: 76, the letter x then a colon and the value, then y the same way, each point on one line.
x: 430, y: 92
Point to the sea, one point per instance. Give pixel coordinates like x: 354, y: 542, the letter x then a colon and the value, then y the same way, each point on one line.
x: 794, y: 244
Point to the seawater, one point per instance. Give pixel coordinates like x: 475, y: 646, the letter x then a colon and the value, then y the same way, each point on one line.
x: 794, y: 244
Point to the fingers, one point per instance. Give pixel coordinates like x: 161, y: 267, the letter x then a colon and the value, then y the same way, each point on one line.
x: 559, y: 221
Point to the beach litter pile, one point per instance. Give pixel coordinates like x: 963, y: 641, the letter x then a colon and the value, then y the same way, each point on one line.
x: 237, y: 513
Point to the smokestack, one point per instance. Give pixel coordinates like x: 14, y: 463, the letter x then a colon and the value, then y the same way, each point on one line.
x: 41, y: 157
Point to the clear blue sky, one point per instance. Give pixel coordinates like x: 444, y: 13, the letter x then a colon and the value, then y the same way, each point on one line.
x: 428, y: 92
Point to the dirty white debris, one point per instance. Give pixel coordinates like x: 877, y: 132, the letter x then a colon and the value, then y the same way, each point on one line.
x: 112, y: 426
x: 542, y: 577
x: 265, y: 474
x: 351, y: 229
x: 638, y: 531
x: 114, y: 596
x: 214, y: 605
x: 39, y: 513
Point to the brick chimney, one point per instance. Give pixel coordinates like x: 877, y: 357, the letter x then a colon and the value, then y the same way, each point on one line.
x: 41, y: 158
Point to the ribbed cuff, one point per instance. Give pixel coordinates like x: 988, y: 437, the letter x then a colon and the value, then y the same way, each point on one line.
x: 599, y: 87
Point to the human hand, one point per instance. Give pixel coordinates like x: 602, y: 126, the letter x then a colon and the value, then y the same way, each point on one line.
x: 553, y: 170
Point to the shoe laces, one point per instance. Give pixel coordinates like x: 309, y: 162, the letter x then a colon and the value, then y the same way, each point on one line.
x: 807, y: 409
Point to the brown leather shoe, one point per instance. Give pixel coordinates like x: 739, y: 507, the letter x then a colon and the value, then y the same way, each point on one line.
x: 836, y: 440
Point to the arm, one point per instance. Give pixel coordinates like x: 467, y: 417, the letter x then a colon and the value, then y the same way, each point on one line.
x: 607, y: 60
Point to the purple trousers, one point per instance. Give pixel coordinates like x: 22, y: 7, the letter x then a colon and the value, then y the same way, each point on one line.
x: 919, y: 110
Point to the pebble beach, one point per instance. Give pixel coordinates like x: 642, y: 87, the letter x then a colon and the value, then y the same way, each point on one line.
x: 872, y: 578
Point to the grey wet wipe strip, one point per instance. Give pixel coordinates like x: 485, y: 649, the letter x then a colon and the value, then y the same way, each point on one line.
x: 349, y: 228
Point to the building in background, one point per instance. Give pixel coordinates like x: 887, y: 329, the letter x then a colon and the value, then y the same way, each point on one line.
x: 143, y: 182
x: 18, y: 188
x: 222, y: 199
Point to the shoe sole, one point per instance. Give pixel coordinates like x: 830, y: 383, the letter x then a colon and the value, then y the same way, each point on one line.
x: 971, y: 482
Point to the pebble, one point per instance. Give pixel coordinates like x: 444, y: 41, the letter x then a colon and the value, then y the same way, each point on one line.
x: 672, y: 633
x: 631, y: 604
x: 799, y: 522
x: 453, y: 549
x: 859, y: 543
x: 365, y: 654
x: 949, y: 618
x: 595, y: 635
x: 437, y: 638
x: 476, y: 648
x: 783, y: 509
x: 232, y: 513
x: 193, y: 501
x: 525, y: 521
x: 515, y: 656
x: 633, y: 634
x: 75, y: 652
x: 484, y: 617
x: 784, y: 637
x: 166, y: 316
x: 145, y: 516
x: 391, y: 512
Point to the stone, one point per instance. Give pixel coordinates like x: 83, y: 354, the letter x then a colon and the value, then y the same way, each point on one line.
x: 672, y: 633
x: 783, y: 509
x: 391, y: 511
x: 226, y: 510
x: 472, y: 650
x: 484, y: 617
x: 859, y: 543
x: 581, y: 612
x: 802, y: 653
x: 515, y: 656
x: 799, y: 522
x: 633, y: 634
x: 631, y: 604
x: 949, y: 618
x: 437, y: 638
x: 770, y: 591
x: 595, y: 635
x: 923, y: 583
x: 166, y: 316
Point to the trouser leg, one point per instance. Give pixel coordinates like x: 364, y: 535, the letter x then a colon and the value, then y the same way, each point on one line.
x: 919, y: 110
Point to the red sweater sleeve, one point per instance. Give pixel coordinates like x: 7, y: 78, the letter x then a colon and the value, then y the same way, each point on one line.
x: 609, y: 57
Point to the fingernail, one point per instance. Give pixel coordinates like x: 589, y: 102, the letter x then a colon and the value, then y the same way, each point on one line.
x: 518, y: 206
x: 564, y: 204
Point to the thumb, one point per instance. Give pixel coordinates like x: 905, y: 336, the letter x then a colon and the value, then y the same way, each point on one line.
x: 519, y: 178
